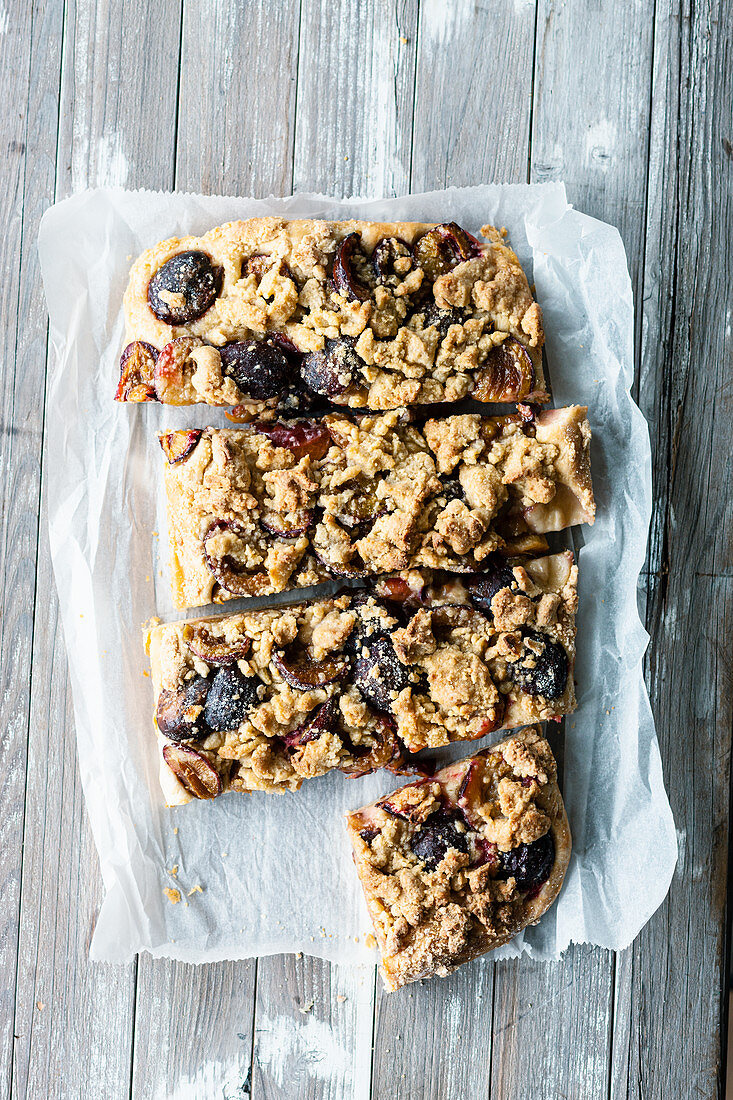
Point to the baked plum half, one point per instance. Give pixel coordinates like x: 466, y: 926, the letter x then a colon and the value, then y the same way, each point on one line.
x: 257, y: 367
x: 184, y: 288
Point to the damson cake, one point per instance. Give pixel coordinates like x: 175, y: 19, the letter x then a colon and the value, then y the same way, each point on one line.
x: 269, y: 313
x: 261, y: 700
x: 273, y: 506
x: 455, y: 865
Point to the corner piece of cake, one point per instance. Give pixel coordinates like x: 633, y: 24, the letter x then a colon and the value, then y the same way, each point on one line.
x: 269, y: 313
x: 454, y: 866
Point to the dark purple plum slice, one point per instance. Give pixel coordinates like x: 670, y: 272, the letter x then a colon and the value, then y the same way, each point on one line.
x: 357, y: 572
x: 302, y: 672
x: 179, y: 714
x: 544, y: 673
x: 450, y: 489
x: 386, y: 752
x: 230, y: 699
x: 178, y: 445
x: 436, y: 837
x: 442, y: 319
x: 386, y: 252
x: 230, y: 574
x: 346, y: 279
x: 184, y: 288
x: 330, y: 371
x: 303, y: 437
x: 257, y: 367
x: 277, y: 525
x: 529, y: 864
x: 193, y: 770
x: 506, y: 375
x: 483, y: 590
x: 137, y: 372
x: 380, y: 673
x: 216, y: 651
x: 324, y: 720
x: 443, y: 247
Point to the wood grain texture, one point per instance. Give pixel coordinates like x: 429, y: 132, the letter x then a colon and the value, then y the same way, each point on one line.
x: 353, y: 98
x: 80, y: 1042
x: 433, y: 1039
x: 591, y: 112
x: 29, y: 90
x: 473, y: 93
x: 237, y: 97
x: 602, y: 157
x: 669, y: 1037
x: 552, y: 1026
x: 193, y: 1030
x: 313, y: 1030
x: 356, y: 74
x: 453, y: 127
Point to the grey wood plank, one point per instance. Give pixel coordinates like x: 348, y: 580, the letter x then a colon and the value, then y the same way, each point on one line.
x: 465, y: 95
x: 590, y: 129
x: 193, y: 1030
x: 356, y: 74
x: 552, y: 1026
x: 237, y: 97
x: 473, y: 93
x: 352, y: 137
x: 669, y: 1037
x: 591, y: 112
x: 79, y: 1044
x: 313, y: 1030
x: 27, y: 88
x: 433, y: 1039
x: 234, y: 136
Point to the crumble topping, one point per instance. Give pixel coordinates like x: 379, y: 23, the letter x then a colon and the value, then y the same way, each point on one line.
x: 270, y: 507
x: 455, y: 866
x: 261, y: 700
x: 428, y: 313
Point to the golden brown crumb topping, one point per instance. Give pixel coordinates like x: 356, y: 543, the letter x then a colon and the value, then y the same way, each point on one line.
x: 268, y: 698
x: 374, y: 315
x: 453, y: 866
x: 269, y: 507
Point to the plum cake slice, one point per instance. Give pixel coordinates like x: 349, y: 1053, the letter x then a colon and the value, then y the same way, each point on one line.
x: 276, y: 506
x: 269, y: 313
x: 455, y: 865
x: 261, y: 700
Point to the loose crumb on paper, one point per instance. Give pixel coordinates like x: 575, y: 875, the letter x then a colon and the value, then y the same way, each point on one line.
x: 370, y: 942
x: 196, y: 890
x: 307, y: 1007
x: 40, y: 1006
x: 174, y: 896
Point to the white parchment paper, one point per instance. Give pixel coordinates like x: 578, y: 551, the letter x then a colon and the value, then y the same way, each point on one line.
x: 274, y: 872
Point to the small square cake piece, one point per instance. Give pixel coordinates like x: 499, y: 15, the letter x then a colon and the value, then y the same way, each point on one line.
x: 456, y: 865
x: 268, y: 313
x: 262, y: 700
x: 273, y: 507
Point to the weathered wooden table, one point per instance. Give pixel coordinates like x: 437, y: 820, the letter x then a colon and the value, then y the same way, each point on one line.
x: 628, y: 101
